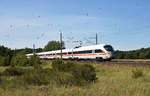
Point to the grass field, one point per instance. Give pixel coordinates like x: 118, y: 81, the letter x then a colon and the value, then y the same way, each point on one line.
x: 112, y: 81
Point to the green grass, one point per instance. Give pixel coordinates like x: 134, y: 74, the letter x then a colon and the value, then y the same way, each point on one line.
x: 112, y: 81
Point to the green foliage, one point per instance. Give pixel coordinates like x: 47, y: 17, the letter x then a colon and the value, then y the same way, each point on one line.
x: 59, y: 65
x: 53, y: 45
x: 143, y: 53
x: 5, y: 56
x: 14, y: 71
x: 61, y: 73
x: 36, y: 77
x: 64, y: 78
x: 18, y: 56
x: 2, y: 61
x: 137, y: 73
x: 4, y: 51
x: 79, y: 73
x: 19, y: 60
x: 28, y: 76
x: 35, y: 62
x: 27, y: 50
x: 87, y: 72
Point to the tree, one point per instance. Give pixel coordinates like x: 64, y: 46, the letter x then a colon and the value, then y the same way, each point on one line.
x: 2, y: 61
x: 4, y: 51
x: 142, y: 55
x: 5, y: 56
x: 19, y: 59
x: 54, y: 45
x: 147, y: 55
x: 35, y: 62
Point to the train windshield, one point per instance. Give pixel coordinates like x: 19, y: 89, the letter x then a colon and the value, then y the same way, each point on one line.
x: 108, y: 48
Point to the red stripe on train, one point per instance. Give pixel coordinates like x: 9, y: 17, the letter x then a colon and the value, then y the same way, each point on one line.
x: 74, y: 55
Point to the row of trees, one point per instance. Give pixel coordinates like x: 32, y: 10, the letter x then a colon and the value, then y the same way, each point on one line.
x: 17, y: 57
x: 143, y: 53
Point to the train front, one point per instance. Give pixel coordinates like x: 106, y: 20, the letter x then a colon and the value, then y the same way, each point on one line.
x: 109, y: 52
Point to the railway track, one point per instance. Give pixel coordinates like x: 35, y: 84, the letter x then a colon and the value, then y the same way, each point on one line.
x: 120, y: 63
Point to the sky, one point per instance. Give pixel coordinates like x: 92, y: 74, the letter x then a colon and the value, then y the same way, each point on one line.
x: 124, y: 24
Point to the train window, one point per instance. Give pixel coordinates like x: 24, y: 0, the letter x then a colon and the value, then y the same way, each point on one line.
x: 80, y: 52
x: 89, y: 51
x: 76, y: 52
x: 108, y: 48
x: 84, y: 52
x: 69, y: 52
x: 98, y: 51
x: 58, y: 53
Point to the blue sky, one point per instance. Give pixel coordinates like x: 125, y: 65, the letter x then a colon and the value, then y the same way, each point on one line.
x: 125, y: 24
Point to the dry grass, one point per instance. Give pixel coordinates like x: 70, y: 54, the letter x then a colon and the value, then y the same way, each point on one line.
x: 113, y: 81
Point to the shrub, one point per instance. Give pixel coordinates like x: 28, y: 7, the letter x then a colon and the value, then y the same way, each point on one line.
x: 61, y: 74
x: 19, y: 60
x: 64, y: 78
x: 85, y: 72
x: 79, y: 73
x: 57, y: 65
x: 14, y: 71
x: 35, y: 78
x: 137, y: 73
x: 2, y: 61
x: 35, y: 62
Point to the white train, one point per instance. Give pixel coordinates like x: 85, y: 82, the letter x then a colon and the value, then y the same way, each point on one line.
x: 99, y: 52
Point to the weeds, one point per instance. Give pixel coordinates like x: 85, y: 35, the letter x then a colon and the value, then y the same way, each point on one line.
x: 63, y: 83
x: 14, y: 71
x: 137, y: 73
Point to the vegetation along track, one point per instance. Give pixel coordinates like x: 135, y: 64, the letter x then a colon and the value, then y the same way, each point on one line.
x: 124, y: 63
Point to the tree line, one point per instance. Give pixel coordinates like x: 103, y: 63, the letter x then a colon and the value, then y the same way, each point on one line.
x: 143, y: 53
x: 17, y: 57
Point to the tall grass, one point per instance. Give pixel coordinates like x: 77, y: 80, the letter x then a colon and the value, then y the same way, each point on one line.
x: 113, y: 81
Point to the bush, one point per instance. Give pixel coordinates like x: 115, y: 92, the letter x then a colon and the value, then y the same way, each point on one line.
x: 35, y: 78
x: 137, y: 73
x: 85, y: 72
x: 2, y: 61
x: 19, y: 60
x: 14, y: 71
x: 79, y: 73
x: 59, y: 65
x: 61, y: 74
x: 64, y: 78
x: 35, y: 61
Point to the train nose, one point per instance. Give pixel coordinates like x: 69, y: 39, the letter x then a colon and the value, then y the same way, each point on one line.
x: 109, y: 54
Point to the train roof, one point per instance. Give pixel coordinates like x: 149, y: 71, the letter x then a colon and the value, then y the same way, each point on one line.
x: 73, y: 49
x: 92, y: 47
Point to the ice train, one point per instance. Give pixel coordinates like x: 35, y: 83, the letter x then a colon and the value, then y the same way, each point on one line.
x: 98, y: 52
